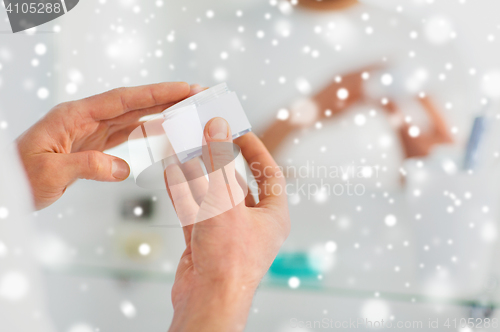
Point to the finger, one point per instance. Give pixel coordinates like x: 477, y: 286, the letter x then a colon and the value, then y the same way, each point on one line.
x: 196, y: 88
x: 410, y: 145
x: 154, y: 128
x: 224, y: 192
x: 119, y: 101
x: 94, y: 165
x: 249, y: 199
x: 217, y: 145
x: 180, y: 195
x: 121, y: 136
x: 134, y: 116
x: 131, y: 120
x: 265, y: 170
x: 196, y: 178
x: 391, y: 107
x: 439, y: 125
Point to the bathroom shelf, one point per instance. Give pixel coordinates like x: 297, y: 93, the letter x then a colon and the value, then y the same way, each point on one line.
x: 281, y: 284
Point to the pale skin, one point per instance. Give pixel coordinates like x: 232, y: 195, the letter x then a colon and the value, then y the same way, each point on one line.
x: 329, y: 106
x: 226, y: 256
x: 68, y: 143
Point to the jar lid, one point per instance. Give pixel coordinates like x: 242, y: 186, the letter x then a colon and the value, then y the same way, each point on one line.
x: 198, y: 99
x: 177, y: 133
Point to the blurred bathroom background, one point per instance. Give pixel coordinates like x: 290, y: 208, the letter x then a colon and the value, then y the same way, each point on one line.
x: 418, y: 244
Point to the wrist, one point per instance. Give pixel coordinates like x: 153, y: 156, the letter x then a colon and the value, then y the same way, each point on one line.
x: 216, y: 306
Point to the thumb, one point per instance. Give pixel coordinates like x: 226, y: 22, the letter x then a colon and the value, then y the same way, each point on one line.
x: 224, y: 191
x: 95, y: 165
x: 217, y: 145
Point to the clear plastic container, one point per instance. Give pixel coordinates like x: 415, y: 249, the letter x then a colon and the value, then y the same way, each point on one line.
x: 184, y: 121
x: 177, y: 133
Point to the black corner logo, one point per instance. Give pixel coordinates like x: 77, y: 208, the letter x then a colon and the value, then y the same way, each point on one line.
x: 26, y: 14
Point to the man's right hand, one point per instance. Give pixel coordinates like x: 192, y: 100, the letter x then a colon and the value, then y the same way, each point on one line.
x: 226, y: 254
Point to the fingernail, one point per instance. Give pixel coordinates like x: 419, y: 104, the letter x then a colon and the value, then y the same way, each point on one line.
x: 218, y: 129
x: 120, y: 169
x: 196, y: 88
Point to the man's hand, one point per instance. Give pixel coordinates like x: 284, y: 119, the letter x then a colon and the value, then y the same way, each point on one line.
x: 326, y: 104
x: 67, y: 143
x: 421, y: 146
x: 227, y: 253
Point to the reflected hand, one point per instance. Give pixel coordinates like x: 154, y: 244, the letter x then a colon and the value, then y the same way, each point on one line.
x: 67, y: 143
x: 421, y: 145
x: 226, y: 254
x: 324, y: 105
x: 327, y: 99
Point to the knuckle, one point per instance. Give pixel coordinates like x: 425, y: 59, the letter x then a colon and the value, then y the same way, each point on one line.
x: 222, y: 154
x: 118, y: 90
x: 120, y: 93
x: 63, y: 108
x: 93, y: 164
x: 66, y: 105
